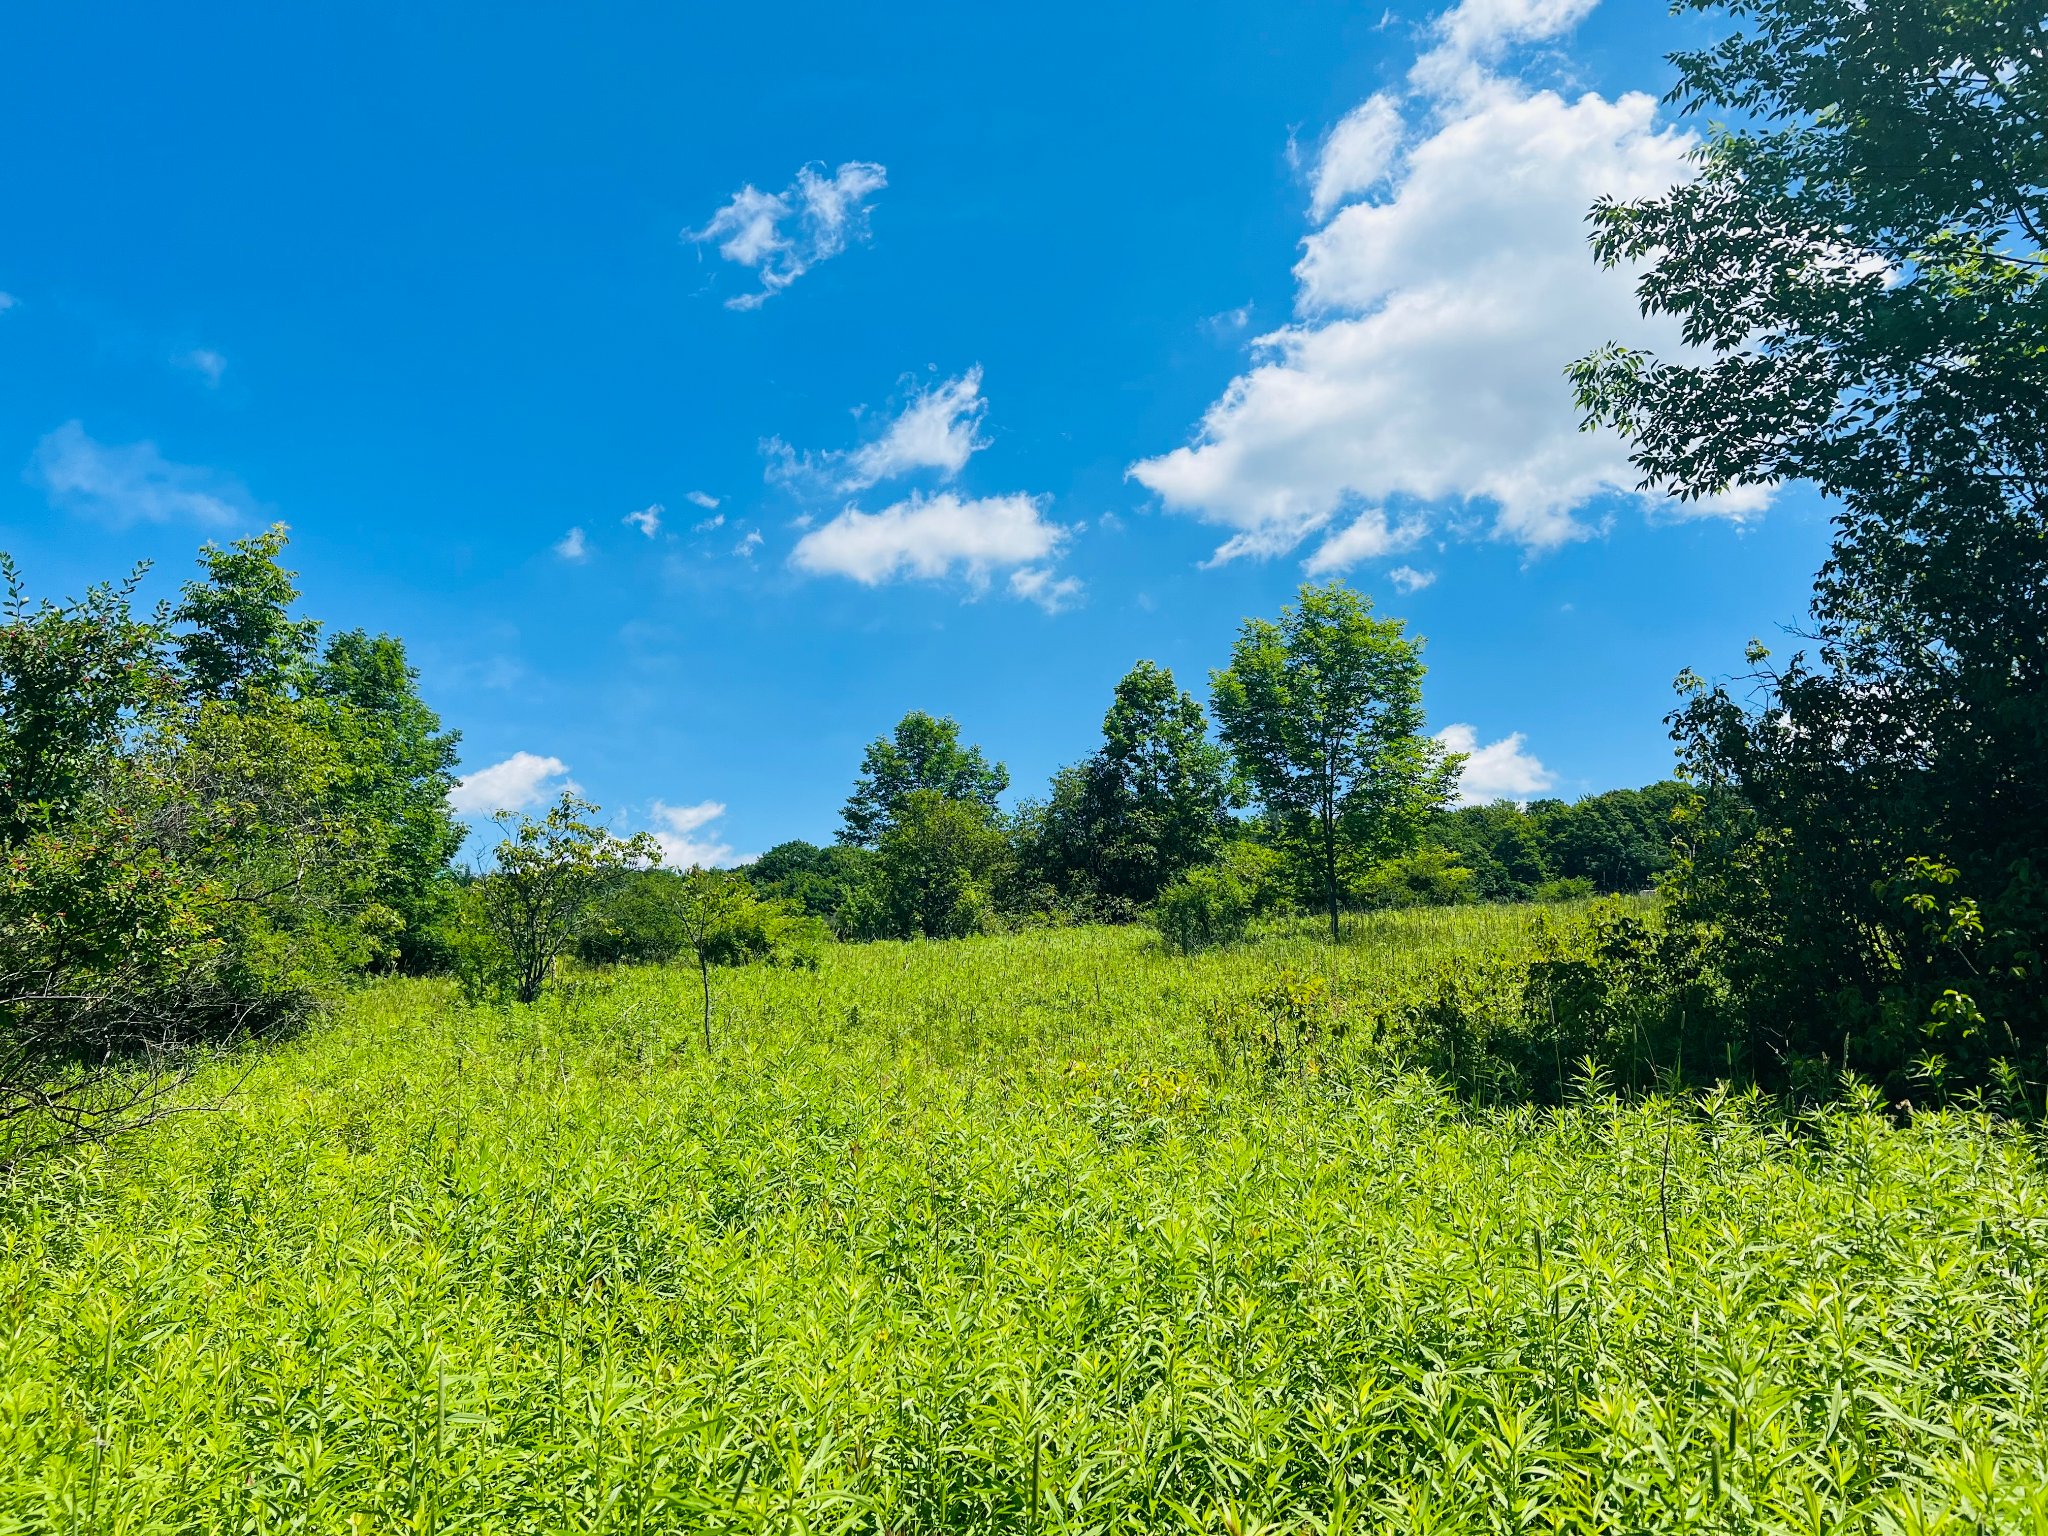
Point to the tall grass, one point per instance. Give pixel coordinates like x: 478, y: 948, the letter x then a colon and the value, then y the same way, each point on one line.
x: 982, y: 1236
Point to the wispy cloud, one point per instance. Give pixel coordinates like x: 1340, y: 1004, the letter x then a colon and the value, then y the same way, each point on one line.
x: 1409, y: 579
x: 647, y: 519
x: 681, y: 830
x: 937, y: 429
x: 205, y: 362
x: 782, y: 235
x: 7, y: 301
x: 132, y: 482
x: 748, y: 543
x: 702, y: 499
x: 573, y: 547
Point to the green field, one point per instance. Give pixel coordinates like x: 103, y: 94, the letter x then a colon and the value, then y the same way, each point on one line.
x: 991, y: 1235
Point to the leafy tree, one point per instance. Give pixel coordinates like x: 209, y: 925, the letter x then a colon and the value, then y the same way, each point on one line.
x: 239, y: 635
x: 1323, y: 712
x: 75, y: 678
x: 923, y: 753
x: 816, y: 881
x: 1862, y: 257
x: 936, y: 872
x: 1152, y: 802
x: 723, y: 923
x: 543, y: 893
x: 1429, y: 876
x: 401, y: 765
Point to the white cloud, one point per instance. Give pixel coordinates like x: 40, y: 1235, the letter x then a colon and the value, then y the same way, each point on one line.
x: 1370, y: 536
x: 1409, y: 579
x: 573, y: 547
x: 1359, y: 153
x: 701, y: 499
x: 709, y: 524
x: 782, y: 235
x: 940, y: 429
x: 1036, y: 584
x: 647, y: 519
x: 1435, y: 317
x: 1474, y: 34
x: 520, y: 783
x: 131, y: 482
x: 685, y: 844
x: 930, y: 538
x: 750, y: 542
x: 1500, y: 770
x: 205, y: 362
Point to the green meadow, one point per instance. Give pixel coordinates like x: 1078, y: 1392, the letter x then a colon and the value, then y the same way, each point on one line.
x: 1011, y: 1234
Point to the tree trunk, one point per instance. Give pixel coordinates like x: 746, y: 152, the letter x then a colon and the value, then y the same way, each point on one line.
x: 1330, y: 874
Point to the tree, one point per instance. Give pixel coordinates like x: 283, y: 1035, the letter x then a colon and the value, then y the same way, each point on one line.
x: 1150, y: 804
x: 936, y: 871
x: 721, y: 917
x: 817, y: 881
x: 548, y: 878
x: 239, y: 636
x: 401, y: 767
x: 1323, y: 712
x: 1861, y: 256
x: 922, y: 753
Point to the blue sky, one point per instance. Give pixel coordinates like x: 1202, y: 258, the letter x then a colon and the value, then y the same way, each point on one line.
x: 952, y: 357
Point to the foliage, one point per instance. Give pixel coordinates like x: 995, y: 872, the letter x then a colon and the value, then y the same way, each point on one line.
x: 936, y: 873
x: 1429, y: 877
x: 923, y: 753
x: 937, y: 1215
x: 816, y: 881
x: 541, y: 894
x: 1862, y: 256
x: 1152, y: 802
x: 1323, y: 713
x: 238, y: 635
x: 400, y: 768
x: 1203, y: 908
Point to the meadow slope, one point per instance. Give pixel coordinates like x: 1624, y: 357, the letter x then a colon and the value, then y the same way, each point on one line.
x: 991, y: 1235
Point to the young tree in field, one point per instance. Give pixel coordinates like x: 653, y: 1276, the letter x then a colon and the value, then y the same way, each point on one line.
x: 924, y: 752
x: 1153, y: 801
x: 1864, y: 256
x: 1323, y: 712
x: 549, y: 876
x: 721, y: 916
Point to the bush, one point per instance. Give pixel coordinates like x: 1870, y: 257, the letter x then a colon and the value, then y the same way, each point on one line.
x: 1203, y: 908
x: 1428, y: 877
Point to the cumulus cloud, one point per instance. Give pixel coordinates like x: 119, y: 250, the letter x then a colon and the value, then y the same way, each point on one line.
x: 931, y: 538
x: 782, y: 235
x: 131, y: 482
x: 1438, y: 301
x: 647, y: 519
x: 681, y: 830
x: 573, y: 547
x: 938, y: 430
x: 1500, y: 770
x: 520, y: 783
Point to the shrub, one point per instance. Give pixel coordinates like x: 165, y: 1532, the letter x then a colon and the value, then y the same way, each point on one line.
x: 1203, y: 908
